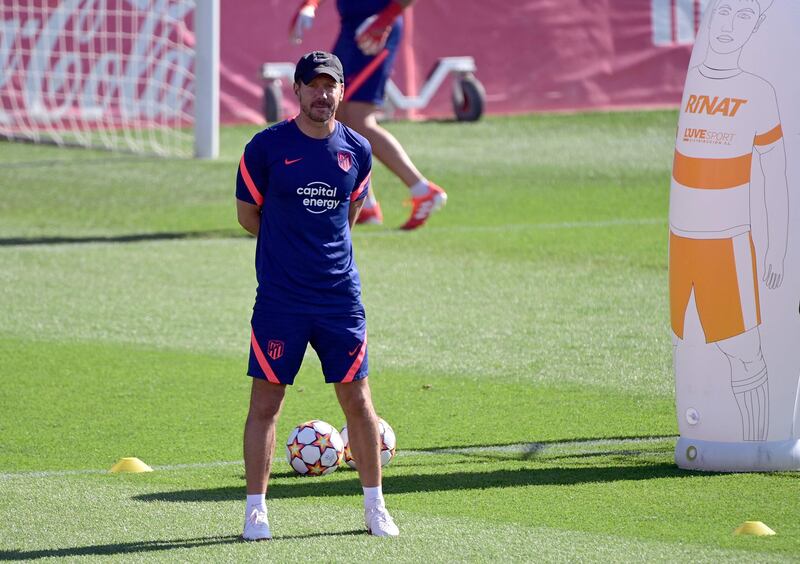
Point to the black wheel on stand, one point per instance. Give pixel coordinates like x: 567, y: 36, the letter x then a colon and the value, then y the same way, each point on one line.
x: 469, y: 98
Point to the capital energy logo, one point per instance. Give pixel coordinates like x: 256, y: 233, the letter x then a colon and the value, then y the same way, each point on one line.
x: 319, y: 197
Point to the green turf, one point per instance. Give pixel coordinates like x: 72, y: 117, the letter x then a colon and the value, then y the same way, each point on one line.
x: 173, y: 406
x: 525, y: 325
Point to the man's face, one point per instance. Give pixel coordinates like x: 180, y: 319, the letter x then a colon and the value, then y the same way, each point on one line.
x: 320, y: 98
x: 732, y: 23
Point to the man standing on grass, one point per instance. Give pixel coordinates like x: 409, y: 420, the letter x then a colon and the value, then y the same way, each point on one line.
x: 300, y: 186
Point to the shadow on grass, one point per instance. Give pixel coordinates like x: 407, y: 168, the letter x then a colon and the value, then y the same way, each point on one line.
x: 152, y: 546
x: 129, y: 238
x: 297, y: 487
x: 623, y: 456
x: 529, y: 451
x: 549, y: 442
x: 82, y: 160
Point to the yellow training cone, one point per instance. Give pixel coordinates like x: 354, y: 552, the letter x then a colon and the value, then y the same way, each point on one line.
x: 130, y: 464
x: 756, y: 528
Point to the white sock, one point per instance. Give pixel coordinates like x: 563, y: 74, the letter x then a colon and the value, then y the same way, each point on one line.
x: 370, y: 201
x: 420, y: 188
x: 373, y: 496
x: 256, y: 500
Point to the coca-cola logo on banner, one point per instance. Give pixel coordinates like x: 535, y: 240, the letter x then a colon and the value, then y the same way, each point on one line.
x: 131, y: 59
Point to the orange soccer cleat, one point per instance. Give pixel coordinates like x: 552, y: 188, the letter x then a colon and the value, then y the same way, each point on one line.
x: 424, y: 206
x: 370, y: 216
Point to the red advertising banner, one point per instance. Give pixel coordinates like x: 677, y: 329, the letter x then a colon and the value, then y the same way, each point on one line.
x: 63, y: 59
x: 531, y: 55
x: 104, y: 63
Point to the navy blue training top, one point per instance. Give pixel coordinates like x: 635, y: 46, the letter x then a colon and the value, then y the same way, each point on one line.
x: 304, y: 253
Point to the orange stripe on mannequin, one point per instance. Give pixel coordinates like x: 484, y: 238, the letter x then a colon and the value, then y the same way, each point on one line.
x: 711, y: 174
x: 769, y: 137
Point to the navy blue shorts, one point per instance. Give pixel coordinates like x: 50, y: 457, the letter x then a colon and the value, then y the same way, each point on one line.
x: 278, y: 343
x: 354, y: 61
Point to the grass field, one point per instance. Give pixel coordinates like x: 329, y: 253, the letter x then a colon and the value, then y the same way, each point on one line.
x: 519, y: 346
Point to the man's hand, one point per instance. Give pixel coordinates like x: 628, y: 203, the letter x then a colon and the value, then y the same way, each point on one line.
x: 373, y: 32
x: 355, y: 209
x: 249, y: 216
x: 303, y: 20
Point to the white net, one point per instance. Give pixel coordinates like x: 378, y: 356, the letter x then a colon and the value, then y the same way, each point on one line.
x: 112, y: 74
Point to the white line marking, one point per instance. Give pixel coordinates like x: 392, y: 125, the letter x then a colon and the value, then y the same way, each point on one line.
x: 518, y: 448
x: 523, y: 226
x: 48, y: 474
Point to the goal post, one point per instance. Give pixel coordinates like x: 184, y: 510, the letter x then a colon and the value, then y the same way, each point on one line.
x: 206, y: 133
x: 139, y: 76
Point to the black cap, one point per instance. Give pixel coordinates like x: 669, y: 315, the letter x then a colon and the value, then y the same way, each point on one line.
x: 316, y: 63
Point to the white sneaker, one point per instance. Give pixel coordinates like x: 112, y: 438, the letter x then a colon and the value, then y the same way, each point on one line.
x: 256, y: 526
x: 379, y: 522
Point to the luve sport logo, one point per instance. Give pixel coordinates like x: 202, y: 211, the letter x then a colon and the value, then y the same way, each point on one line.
x: 319, y: 197
x: 708, y: 136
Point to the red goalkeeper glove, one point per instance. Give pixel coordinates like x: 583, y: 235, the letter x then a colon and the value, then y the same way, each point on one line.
x: 373, y: 32
x: 303, y: 20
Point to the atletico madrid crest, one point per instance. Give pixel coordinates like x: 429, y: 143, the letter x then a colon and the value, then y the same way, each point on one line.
x: 345, y: 161
x: 275, y: 349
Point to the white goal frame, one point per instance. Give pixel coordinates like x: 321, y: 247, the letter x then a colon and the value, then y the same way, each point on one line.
x: 137, y: 76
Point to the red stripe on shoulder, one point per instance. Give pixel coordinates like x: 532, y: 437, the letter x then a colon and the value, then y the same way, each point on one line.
x: 361, y: 187
x: 248, y: 181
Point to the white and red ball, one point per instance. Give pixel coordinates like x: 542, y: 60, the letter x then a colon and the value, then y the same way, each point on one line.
x: 388, y: 444
x: 314, y: 448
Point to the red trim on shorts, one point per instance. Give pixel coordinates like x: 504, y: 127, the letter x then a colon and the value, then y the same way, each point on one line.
x: 251, y: 186
x: 359, y: 79
x: 356, y: 363
x: 262, y: 360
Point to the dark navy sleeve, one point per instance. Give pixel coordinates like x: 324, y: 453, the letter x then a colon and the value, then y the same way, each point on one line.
x: 364, y: 174
x: 251, y: 180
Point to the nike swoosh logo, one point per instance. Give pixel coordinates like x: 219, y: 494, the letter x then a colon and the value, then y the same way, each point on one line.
x: 288, y: 162
x: 355, y: 350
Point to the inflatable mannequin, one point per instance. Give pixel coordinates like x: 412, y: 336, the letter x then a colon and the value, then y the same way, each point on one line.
x: 734, y: 262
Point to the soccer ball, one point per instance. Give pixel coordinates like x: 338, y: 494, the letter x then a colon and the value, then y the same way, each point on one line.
x: 388, y: 444
x: 314, y: 448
